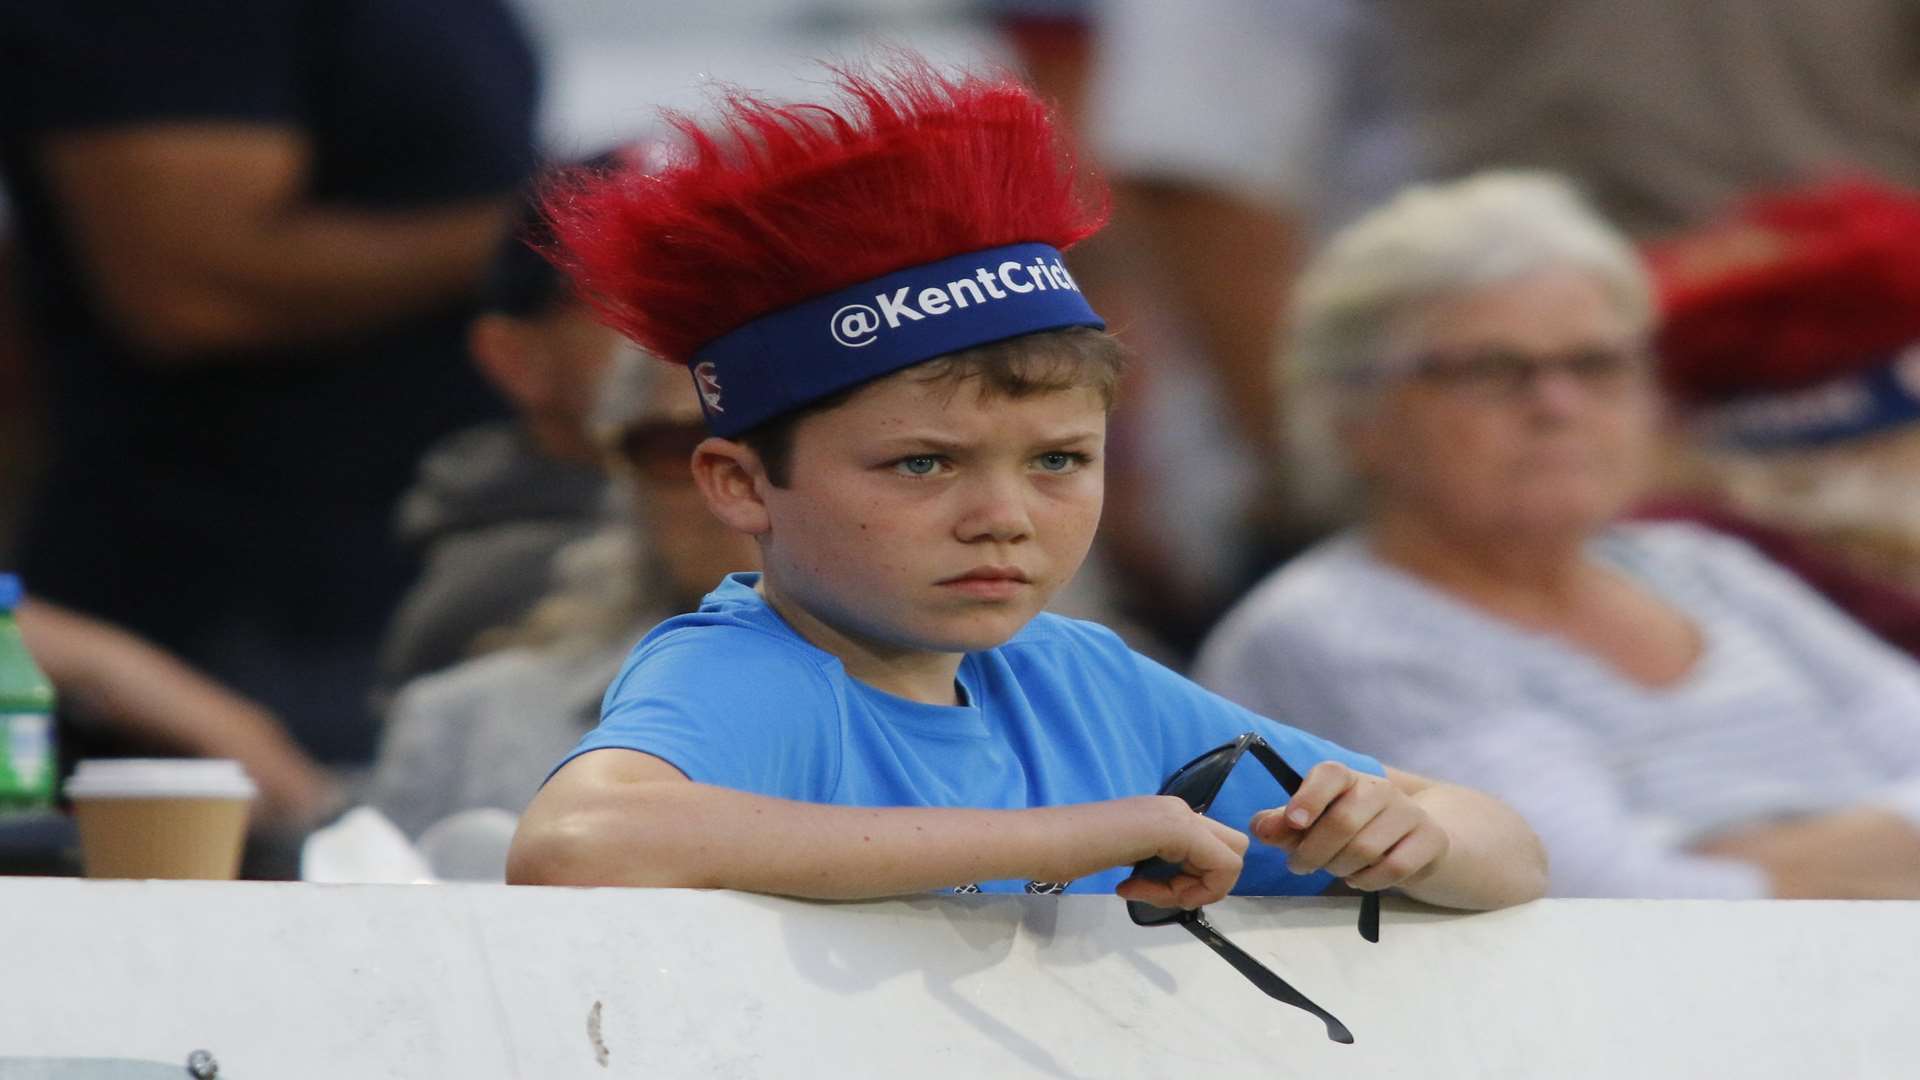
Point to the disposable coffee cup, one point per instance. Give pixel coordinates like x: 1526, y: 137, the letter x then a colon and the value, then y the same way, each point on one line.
x: 161, y: 817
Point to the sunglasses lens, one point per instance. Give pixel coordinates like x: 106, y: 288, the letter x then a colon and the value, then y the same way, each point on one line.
x: 661, y: 450
x: 1198, y: 782
x: 1195, y: 783
x: 1148, y: 915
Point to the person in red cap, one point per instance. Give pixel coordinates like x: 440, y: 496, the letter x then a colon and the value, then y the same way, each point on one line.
x: 908, y: 398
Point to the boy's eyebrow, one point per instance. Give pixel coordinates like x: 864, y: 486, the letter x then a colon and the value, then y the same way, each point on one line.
x: 946, y: 442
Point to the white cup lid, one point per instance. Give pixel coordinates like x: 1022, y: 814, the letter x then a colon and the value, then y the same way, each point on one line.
x: 160, y: 778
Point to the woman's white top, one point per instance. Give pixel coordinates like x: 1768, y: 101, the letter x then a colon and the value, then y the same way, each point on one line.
x: 1791, y: 709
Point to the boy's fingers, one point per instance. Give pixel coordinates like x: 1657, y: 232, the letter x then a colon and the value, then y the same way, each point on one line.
x: 1209, y: 866
x: 1229, y: 836
x: 1375, y: 839
x: 1337, y: 827
x: 1327, y: 782
x: 1404, y: 860
x: 1147, y: 891
x: 1270, y: 827
x: 1181, y: 891
x: 1212, y: 866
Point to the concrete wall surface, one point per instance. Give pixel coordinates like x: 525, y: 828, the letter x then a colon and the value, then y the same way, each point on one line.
x: 290, y: 981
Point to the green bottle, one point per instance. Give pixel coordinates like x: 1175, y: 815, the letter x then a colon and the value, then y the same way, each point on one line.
x: 27, y: 763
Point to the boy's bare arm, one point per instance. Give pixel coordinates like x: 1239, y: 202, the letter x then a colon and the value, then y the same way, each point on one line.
x: 1440, y: 843
x: 620, y: 817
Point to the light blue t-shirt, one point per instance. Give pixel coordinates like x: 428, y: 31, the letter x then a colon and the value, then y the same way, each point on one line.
x: 1063, y: 713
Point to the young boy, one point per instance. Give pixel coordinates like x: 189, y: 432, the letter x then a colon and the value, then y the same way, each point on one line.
x: 908, y: 397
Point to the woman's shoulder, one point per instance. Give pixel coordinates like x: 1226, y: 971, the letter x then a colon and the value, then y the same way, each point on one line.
x: 1338, y: 597
x: 1677, y: 558
x: 1678, y: 542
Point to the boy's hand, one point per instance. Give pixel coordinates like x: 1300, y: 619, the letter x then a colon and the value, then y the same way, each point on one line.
x: 1360, y: 828
x: 1208, y: 854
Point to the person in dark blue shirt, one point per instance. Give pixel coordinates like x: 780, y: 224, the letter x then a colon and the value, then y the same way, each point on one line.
x: 249, y: 229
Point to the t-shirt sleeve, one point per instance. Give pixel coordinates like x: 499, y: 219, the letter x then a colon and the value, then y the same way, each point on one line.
x: 102, y: 63
x: 728, y: 707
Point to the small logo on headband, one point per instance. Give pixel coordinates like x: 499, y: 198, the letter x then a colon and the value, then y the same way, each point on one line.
x: 706, y: 378
x: 858, y: 325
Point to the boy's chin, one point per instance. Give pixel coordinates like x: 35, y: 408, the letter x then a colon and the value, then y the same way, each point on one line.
x: 977, y: 633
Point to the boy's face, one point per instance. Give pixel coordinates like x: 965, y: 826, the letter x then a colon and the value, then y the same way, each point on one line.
x: 921, y: 518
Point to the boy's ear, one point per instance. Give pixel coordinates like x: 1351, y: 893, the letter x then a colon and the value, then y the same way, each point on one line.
x: 732, y: 479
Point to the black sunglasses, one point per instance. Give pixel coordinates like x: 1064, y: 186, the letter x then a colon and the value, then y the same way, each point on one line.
x: 1197, y: 783
x: 661, y: 450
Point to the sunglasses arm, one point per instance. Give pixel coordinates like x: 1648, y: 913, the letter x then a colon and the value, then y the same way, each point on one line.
x: 1267, y: 756
x: 1259, y: 975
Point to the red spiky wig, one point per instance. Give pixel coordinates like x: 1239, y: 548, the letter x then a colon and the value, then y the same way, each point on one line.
x: 779, y: 203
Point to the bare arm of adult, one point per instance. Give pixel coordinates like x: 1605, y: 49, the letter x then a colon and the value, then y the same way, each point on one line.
x: 1439, y: 843
x: 1228, y: 264
x: 145, y: 692
x: 1862, y: 853
x: 622, y: 817
x: 203, y: 239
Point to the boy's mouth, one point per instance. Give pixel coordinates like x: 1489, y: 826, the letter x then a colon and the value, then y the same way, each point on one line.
x: 988, y: 582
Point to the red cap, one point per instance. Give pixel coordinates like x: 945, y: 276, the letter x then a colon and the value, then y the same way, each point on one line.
x: 1790, y: 290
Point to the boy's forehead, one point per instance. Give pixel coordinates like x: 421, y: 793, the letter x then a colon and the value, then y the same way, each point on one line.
x: 910, y: 399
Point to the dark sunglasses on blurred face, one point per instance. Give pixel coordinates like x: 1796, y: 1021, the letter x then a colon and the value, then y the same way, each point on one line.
x: 1501, y: 374
x: 661, y: 451
x: 1197, y: 783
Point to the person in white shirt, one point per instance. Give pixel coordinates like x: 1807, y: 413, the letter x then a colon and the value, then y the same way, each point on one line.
x: 1673, y: 714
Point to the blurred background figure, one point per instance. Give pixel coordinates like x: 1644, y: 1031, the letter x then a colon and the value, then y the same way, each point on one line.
x: 1790, y: 343
x: 20, y: 408
x: 1239, y: 133
x: 494, y: 502
x: 485, y: 732
x: 1665, y: 111
x: 117, y: 688
x: 248, y: 238
x: 248, y: 234
x: 1675, y: 715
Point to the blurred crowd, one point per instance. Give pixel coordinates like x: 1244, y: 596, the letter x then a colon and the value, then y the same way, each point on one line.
x: 1528, y: 392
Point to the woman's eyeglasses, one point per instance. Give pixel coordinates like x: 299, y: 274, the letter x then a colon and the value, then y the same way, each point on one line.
x: 1496, y: 374
x: 1197, y: 783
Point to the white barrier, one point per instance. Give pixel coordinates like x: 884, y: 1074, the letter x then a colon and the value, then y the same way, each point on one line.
x: 285, y: 982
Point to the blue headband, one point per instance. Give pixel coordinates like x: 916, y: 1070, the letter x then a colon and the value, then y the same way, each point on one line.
x: 1839, y: 409
x: 788, y: 358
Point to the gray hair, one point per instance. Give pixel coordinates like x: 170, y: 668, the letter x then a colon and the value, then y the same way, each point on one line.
x: 1353, y: 305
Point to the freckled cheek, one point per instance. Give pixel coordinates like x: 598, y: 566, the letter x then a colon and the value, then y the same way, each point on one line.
x: 1079, y: 508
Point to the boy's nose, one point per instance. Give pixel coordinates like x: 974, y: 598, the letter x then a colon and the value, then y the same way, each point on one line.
x: 996, y: 510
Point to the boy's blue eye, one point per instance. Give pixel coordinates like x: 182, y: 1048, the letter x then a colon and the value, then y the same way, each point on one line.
x: 1060, y: 461
x: 919, y: 465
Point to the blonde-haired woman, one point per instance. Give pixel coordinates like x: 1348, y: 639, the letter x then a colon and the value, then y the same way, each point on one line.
x: 1470, y: 382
